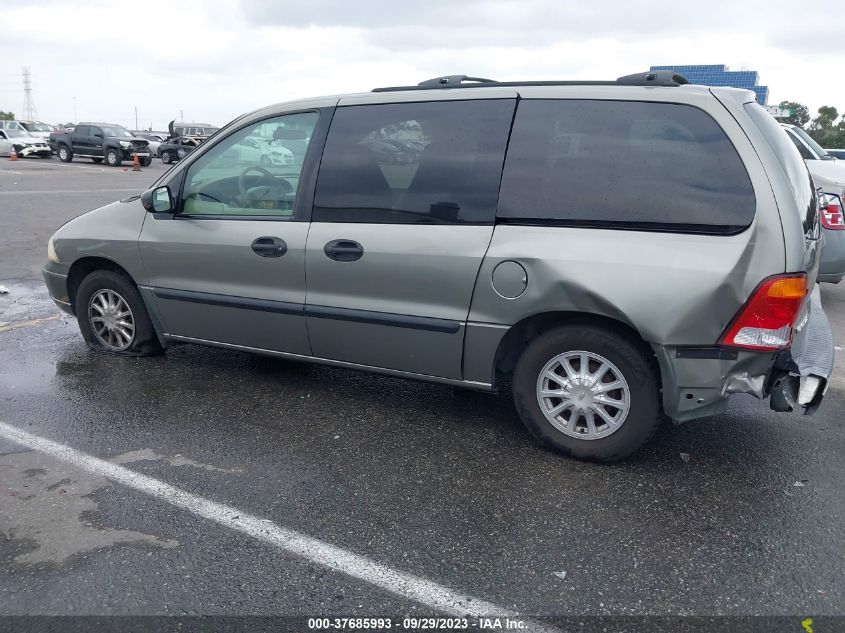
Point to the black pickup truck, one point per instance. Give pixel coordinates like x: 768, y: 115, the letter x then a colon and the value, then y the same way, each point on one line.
x: 100, y: 141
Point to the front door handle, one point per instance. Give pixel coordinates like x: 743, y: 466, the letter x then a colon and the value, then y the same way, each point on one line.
x: 344, y: 250
x: 269, y: 246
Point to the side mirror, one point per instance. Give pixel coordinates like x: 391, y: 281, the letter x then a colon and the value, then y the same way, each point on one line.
x: 157, y: 200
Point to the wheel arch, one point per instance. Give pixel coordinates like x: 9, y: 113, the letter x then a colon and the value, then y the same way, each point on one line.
x: 527, y: 329
x: 82, y: 267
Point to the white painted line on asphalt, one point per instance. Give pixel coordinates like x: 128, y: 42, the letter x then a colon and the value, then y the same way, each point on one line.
x: 67, y: 191
x: 16, y: 325
x: 425, y: 592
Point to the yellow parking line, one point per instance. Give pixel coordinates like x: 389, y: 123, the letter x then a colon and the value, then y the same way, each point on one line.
x: 31, y: 323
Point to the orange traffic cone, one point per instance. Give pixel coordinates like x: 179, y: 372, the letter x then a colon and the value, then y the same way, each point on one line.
x: 14, y: 154
x: 136, y: 164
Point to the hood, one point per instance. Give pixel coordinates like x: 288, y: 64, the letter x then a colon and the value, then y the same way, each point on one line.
x: 27, y: 140
x: 41, y: 134
x: 827, y: 173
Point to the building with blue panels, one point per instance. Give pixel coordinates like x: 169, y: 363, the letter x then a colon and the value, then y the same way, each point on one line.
x: 719, y: 75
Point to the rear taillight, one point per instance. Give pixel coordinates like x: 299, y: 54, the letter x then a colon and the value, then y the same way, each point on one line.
x: 766, y: 320
x: 831, y: 213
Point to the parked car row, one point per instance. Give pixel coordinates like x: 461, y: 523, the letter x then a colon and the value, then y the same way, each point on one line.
x: 829, y: 176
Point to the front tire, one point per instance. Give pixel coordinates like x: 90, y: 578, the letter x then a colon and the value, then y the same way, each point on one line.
x: 587, y: 392
x: 113, y: 157
x: 65, y: 155
x: 112, y: 316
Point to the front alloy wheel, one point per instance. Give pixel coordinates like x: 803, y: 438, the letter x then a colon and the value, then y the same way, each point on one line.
x: 111, y: 320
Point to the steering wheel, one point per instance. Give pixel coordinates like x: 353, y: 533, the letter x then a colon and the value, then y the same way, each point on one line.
x: 261, y: 195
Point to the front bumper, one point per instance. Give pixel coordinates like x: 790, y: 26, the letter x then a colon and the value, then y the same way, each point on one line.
x: 56, y: 283
x: 34, y: 150
x: 698, y: 382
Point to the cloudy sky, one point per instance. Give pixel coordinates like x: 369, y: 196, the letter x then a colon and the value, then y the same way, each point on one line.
x: 215, y: 59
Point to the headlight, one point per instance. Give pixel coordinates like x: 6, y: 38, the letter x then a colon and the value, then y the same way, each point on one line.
x: 51, y: 252
x: 125, y: 144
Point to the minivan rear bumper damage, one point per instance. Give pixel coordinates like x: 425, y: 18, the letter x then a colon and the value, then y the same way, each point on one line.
x: 697, y: 381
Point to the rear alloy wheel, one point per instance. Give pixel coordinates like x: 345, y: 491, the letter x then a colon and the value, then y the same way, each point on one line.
x: 65, y: 155
x: 166, y: 157
x: 112, y: 157
x: 112, y: 316
x: 588, y: 392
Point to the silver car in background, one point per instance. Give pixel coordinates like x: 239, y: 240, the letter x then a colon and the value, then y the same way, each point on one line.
x: 829, y: 175
x: 515, y: 245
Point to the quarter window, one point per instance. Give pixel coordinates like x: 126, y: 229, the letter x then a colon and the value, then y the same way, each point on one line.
x: 414, y: 163
x: 253, y: 172
x: 624, y: 164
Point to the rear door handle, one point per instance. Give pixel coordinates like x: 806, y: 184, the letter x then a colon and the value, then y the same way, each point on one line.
x: 344, y: 250
x: 269, y: 246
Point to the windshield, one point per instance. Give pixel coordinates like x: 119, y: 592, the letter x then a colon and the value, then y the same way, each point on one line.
x: 39, y: 127
x: 113, y: 131
x: 822, y: 153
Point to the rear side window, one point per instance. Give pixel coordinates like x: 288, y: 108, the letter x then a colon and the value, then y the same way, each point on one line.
x: 414, y: 163
x: 624, y: 164
x: 790, y: 161
x: 82, y: 130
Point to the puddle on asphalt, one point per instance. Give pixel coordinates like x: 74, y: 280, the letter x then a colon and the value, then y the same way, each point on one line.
x: 47, y: 503
x: 24, y: 301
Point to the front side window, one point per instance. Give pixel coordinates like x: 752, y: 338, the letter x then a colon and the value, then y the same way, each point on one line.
x: 624, y: 164
x: 414, y: 163
x: 251, y: 172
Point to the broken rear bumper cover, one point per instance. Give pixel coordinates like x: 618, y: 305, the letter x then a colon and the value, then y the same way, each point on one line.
x: 801, y: 374
x: 698, y: 381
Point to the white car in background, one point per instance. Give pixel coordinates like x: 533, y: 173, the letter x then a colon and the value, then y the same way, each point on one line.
x: 154, y: 139
x: 828, y: 175
x: 24, y: 143
x: 37, y: 128
x: 262, y: 151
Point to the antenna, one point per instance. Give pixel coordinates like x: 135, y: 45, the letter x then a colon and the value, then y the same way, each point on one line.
x: 30, y: 113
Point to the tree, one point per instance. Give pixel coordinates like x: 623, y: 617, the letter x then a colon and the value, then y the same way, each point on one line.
x: 800, y: 113
x: 825, y: 130
x: 7, y: 116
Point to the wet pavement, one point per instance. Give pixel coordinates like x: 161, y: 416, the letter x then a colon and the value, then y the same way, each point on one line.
x: 436, y: 482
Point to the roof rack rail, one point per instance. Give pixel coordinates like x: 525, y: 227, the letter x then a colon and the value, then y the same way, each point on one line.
x: 450, y: 81
x: 653, y: 78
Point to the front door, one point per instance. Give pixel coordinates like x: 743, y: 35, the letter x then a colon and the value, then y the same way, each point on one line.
x: 229, y: 267
x: 403, y: 214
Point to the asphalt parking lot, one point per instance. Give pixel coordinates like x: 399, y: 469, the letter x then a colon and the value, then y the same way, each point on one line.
x: 407, y: 497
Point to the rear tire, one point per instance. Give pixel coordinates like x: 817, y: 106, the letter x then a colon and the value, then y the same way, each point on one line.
x: 101, y: 306
x: 146, y: 162
x: 624, y: 363
x: 166, y: 158
x: 113, y: 157
x: 65, y: 154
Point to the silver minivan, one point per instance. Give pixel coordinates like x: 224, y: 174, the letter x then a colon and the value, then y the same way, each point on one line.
x: 613, y: 252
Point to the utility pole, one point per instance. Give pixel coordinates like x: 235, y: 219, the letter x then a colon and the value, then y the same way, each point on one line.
x: 181, y: 116
x: 136, y: 117
x: 29, y: 111
x: 74, y: 110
